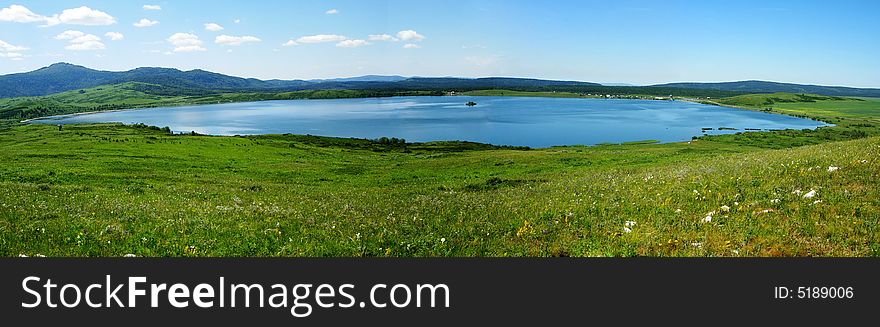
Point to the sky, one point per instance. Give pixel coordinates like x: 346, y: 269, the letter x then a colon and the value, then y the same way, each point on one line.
x: 637, y: 42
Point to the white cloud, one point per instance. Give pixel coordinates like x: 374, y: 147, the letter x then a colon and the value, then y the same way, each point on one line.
x: 290, y: 43
x: 69, y: 35
x: 237, y: 21
x: 410, y: 35
x: 145, y: 23
x: 114, y: 36
x: 9, y: 51
x: 213, y: 27
x: 152, y: 7
x: 381, y: 37
x: 81, y: 16
x: 75, y: 16
x: 352, y: 43
x: 320, y: 38
x: 235, y: 40
x: 19, y: 14
x: 332, y: 12
x: 185, y: 42
x: 86, y: 46
x: 79, y: 41
x: 9, y: 47
x: 411, y: 46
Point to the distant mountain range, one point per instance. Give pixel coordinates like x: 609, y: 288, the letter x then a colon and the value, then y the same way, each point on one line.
x: 773, y: 87
x: 61, y: 77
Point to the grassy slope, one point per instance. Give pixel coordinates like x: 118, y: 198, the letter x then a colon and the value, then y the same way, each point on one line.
x: 111, y: 190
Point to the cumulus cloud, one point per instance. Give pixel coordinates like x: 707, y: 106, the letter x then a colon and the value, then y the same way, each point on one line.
x: 213, y: 27
x: 81, y: 16
x: 381, y: 37
x: 320, y: 38
x: 145, y: 23
x: 6, y: 47
x: 411, y: 46
x: 289, y: 43
x: 235, y: 40
x: 79, y: 41
x: 75, y: 16
x: 19, y: 14
x: 114, y: 36
x: 410, y: 35
x: 152, y: 7
x: 185, y: 42
x: 352, y: 43
x: 9, y: 51
x: 332, y: 11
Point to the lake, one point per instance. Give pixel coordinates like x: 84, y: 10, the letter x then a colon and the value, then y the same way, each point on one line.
x: 521, y: 121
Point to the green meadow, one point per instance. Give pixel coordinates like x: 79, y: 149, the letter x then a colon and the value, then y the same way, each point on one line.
x: 112, y: 190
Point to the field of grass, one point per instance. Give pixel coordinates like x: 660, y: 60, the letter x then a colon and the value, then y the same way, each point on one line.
x: 110, y: 190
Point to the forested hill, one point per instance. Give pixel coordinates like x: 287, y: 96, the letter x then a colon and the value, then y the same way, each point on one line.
x: 63, y: 77
x: 774, y: 87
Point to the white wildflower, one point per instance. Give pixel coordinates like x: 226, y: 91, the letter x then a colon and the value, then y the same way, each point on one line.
x: 39, y: 256
x: 725, y: 208
x: 797, y: 192
x: 629, y: 223
x: 774, y: 201
x: 22, y: 256
x: 817, y: 201
x: 832, y: 169
x: 442, y: 240
x: 627, y: 230
x: 698, y: 245
x: 810, y: 194
x: 129, y: 255
x: 677, y: 210
x: 708, y: 218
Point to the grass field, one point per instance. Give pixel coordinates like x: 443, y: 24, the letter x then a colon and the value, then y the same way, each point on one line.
x: 110, y: 190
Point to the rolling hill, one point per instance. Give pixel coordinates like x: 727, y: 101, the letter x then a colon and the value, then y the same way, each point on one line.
x: 774, y: 87
x: 61, y: 77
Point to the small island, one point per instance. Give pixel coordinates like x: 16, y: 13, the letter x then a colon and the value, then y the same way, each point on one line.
x: 471, y: 104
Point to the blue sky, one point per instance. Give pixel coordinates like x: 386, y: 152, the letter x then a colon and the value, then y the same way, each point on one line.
x: 640, y: 42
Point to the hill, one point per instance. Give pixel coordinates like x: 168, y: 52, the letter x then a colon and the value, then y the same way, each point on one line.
x: 774, y: 87
x: 61, y: 77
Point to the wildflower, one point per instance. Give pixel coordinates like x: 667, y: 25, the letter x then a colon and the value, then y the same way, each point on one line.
x: 22, y: 256
x: 864, y: 161
x: 797, y: 192
x: 725, y: 208
x: 698, y: 245
x: 810, y: 194
x: 677, y: 210
x: 774, y: 201
x: 764, y: 211
x: 129, y: 255
x: 629, y: 223
x: 817, y: 202
x: 442, y: 240
x: 832, y: 169
x: 39, y: 256
x: 627, y: 230
x: 708, y: 218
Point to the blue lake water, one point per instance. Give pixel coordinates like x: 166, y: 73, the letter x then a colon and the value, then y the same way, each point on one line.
x: 524, y: 121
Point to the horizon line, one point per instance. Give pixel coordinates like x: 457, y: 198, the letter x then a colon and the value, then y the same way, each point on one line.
x: 460, y: 77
